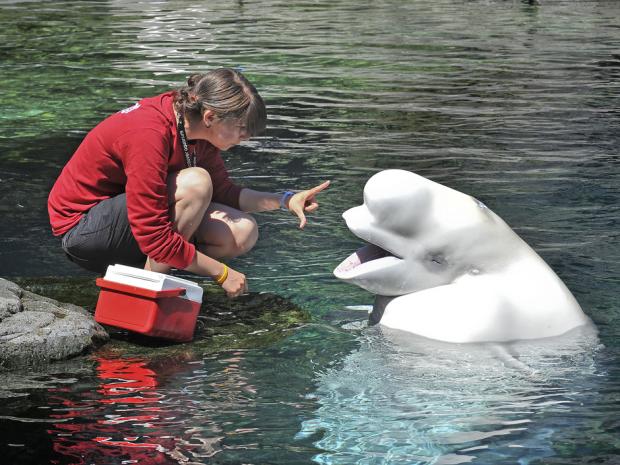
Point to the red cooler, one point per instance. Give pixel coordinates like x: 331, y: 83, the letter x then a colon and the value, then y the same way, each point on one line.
x: 154, y: 304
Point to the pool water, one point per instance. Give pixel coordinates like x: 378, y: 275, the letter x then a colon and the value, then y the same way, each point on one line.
x: 516, y: 104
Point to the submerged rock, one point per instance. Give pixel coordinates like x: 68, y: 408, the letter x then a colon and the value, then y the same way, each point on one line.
x: 35, y: 330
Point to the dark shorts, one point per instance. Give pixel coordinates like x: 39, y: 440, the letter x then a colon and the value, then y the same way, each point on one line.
x: 103, y: 237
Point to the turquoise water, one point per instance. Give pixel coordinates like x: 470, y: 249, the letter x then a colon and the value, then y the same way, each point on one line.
x: 514, y: 103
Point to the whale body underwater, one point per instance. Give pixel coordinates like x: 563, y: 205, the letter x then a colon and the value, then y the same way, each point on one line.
x: 445, y: 267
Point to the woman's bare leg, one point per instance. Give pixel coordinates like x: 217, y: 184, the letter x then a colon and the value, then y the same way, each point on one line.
x: 226, y: 232
x: 189, y: 195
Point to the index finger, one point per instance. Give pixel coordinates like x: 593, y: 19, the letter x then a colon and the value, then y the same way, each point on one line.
x: 319, y: 188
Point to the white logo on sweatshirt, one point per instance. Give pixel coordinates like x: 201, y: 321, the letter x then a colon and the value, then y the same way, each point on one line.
x: 130, y: 109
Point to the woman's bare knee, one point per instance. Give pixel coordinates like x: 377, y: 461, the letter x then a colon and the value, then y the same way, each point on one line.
x: 192, y: 184
x: 230, y: 237
x: 189, y: 193
x: 246, y: 234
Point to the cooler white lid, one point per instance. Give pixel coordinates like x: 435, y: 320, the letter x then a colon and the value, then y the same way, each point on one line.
x: 151, y: 280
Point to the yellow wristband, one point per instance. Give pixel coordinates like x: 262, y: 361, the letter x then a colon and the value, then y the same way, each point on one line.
x: 221, y: 278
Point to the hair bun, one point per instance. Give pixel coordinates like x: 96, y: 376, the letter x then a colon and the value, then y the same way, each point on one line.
x: 194, y: 79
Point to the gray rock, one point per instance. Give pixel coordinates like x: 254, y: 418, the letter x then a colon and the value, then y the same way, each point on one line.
x: 36, y: 330
x: 9, y: 298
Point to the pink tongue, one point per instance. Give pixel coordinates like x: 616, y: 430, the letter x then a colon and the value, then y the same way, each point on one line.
x: 349, y: 263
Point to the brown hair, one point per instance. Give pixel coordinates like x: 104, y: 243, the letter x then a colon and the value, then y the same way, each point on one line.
x: 227, y: 93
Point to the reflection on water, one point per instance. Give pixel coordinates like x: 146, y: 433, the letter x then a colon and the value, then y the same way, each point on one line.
x: 137, y: 421
x: 236, y: 406
x: 129, y: 389
x: 514, y: 103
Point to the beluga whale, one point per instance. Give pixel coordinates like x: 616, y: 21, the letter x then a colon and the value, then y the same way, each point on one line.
x: 445, y: 267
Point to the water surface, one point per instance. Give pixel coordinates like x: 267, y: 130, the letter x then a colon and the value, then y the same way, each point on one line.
x: 513, y: 103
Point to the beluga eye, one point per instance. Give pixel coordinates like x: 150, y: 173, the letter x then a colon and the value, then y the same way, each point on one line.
x: 436, y: 258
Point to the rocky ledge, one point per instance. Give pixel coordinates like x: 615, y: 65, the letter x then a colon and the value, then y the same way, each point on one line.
x: 35, y: 330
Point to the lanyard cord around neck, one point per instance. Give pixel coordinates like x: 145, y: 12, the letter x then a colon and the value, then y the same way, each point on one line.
x: 190, y: 161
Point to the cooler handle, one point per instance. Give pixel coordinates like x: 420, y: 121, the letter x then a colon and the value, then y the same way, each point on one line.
x: 126, y: 288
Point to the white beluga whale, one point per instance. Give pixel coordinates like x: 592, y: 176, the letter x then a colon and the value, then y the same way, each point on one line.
x: 445, y: 267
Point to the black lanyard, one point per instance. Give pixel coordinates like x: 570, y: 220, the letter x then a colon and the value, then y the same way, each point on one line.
x: 190, y: 161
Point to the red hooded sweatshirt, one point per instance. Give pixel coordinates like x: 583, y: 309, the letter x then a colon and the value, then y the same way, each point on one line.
x: 134, y: 151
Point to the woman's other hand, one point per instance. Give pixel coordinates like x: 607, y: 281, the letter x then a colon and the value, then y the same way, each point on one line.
x: 235, y: 284
x: 305, y: 201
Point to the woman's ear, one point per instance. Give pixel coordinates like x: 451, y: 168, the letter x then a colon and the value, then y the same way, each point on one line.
x: 208, y: 117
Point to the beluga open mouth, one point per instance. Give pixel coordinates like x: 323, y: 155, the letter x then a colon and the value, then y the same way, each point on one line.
x: 365, y: 259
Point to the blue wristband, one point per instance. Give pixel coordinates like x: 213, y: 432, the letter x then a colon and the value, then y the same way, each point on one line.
x: 287, y: 195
